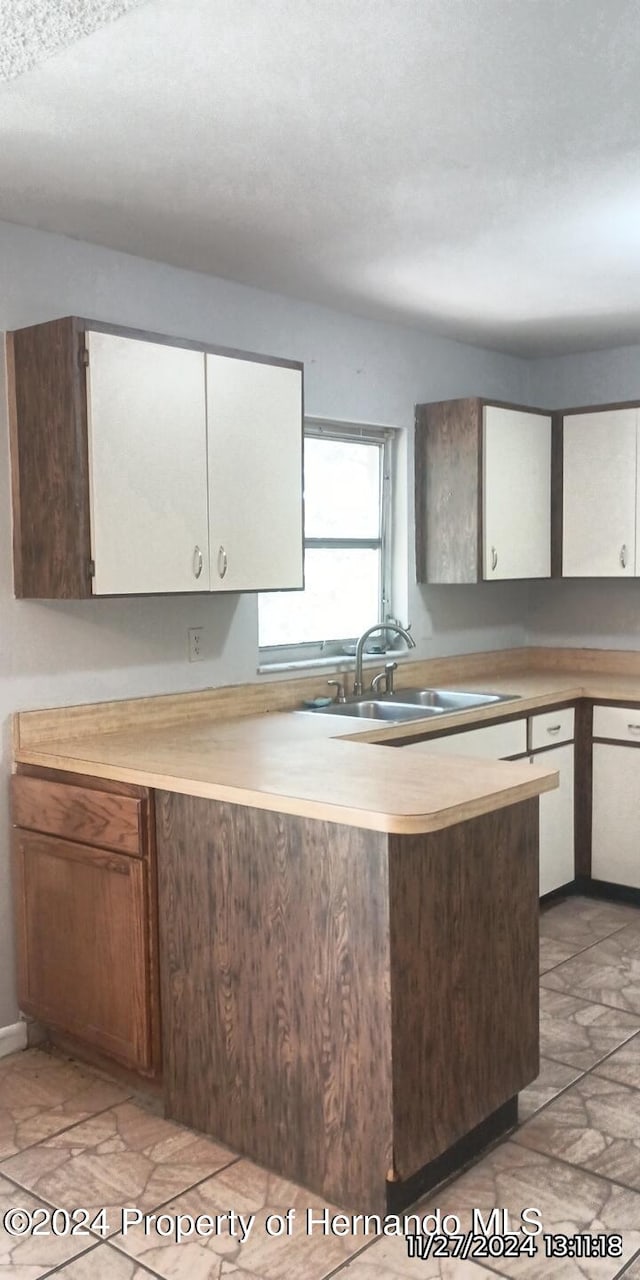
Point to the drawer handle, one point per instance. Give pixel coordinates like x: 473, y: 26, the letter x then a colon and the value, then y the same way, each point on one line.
x: 197, y: 562
x: 555, y: 728
x: 623, y: 555
x: 494, y: 558
x: 633, y: 728
x: 222, y: 562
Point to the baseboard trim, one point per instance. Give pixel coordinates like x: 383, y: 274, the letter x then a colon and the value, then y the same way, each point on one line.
x: 13, y: 1038
x: 609, y: 892
x: 402, y: 1194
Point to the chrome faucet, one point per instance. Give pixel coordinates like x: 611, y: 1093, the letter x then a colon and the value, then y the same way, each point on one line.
x: 379, y: 626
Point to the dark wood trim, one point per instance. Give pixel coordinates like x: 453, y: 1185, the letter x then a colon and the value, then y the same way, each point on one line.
x: 402, y: 1194
x: 50, y: 463
x: 518, y: 408
x: 170, y: 340
x: 448, y: 491
x: 583, y: 769
x: 615, y: 702
x: 557, y: 494
x: 608, y: 891
x: 599, y: 408
x: 567, y: 890
x: 616, y: 742
x: 419, y: 493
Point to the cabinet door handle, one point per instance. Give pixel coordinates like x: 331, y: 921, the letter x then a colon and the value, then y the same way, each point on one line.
x: 197, y: 562
x: 623, y: 555
x: 494, y: 558
x: 633, y: 728
x: 222, y: 562
x: 554, y: 728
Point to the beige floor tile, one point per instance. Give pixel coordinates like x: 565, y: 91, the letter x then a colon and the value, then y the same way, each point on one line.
x: 248, y: 1190
x: 579, y: 1032
x: 105, y: 1263
x: 123, y: 1157
x: 596, y: 1125
x: 26, y: 1257
x: 623, y: 1065
x: 41, y: 1094
x: 582, y: 921
x: 388, y: 1259
x: 553, y: 953
x: 608, y: 973
x: 570, y: 1202
x: 553, y: 1078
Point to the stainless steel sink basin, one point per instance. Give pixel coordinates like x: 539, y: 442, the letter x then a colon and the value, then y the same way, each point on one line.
x: 390, y: 708
x: 414, y: 704
x: 449, y: 699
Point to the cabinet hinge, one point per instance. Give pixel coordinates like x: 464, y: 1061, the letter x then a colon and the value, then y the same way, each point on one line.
x: 84, y: 358
x: 92, y: 568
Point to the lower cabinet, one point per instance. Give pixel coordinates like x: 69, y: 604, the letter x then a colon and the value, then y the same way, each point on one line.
x: 557, y: 854
x: 514, y: 738
x: 615, y: 839
x: 83, y: 873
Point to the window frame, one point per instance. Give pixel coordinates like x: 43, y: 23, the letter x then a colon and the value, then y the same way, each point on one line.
x: 330, y: 648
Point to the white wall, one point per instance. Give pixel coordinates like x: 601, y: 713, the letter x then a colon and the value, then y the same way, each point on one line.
x: 591, y: 612
x: 52, y: 654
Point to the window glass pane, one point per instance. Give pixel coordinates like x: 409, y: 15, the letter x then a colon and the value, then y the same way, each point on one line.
x: 340, y: 599
x: 341, y: 489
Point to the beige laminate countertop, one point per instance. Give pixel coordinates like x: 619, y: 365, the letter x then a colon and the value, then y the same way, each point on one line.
x: 234, y: 745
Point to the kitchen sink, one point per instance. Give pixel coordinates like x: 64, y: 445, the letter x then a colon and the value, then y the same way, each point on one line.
x: 414, y: 704
x: 450, y: 699
x: 384, y: 708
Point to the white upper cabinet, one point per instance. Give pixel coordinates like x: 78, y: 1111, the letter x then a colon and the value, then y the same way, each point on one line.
x: 483, y: 492
x: 254, y: 413
x: 599, y: 494
x: 516, y: 494
x: 147, y: 438
x: 141, y: 464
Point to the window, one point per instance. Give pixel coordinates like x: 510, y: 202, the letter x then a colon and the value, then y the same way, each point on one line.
x: 347, y: 505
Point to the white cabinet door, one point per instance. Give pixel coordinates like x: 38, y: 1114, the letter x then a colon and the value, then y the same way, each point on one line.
x: 254, y: 414
x: 516, y: 494
x: 599, y: 494
x: 147, y: 466
x: 491, y: 742
x: 615, y: 841
x: 557, y: 846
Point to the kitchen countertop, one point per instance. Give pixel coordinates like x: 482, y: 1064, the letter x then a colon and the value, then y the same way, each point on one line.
x: 324, y: 766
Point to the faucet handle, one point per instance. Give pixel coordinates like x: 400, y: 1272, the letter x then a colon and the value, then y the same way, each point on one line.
x: 340, y: 694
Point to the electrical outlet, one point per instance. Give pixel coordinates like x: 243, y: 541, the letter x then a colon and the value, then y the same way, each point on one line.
x: 196, y: 645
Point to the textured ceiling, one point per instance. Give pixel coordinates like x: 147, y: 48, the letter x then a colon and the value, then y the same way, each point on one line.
x: 30, y: 30
x: 471, y: 166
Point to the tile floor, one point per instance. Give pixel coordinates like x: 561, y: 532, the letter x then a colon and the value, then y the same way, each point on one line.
x: 70, y: 1137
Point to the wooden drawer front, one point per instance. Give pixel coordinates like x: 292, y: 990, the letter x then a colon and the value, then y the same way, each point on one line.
x: 492, y: 742
x: 77, y: 813
x: 552, y: 727
x: 82, y: 925
x: 620, y: 723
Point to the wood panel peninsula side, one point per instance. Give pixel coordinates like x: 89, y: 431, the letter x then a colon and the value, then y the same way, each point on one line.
x: 353, y: 1009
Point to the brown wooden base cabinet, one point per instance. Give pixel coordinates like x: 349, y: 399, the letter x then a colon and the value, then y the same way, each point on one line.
x: 342, y: 1005
x: 84, y: 884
